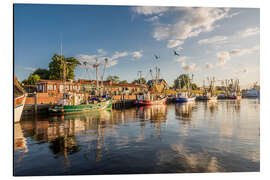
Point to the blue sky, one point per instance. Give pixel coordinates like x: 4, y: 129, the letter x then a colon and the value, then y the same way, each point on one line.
x: 220, y: 42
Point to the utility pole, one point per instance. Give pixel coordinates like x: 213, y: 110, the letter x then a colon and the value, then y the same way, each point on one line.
x: 64, y: 66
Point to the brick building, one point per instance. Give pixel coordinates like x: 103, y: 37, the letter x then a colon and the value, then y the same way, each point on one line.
x: 57, y: 86
x: 111, y: 88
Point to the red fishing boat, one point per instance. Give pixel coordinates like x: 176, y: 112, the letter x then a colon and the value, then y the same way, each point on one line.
x: 152, y: 102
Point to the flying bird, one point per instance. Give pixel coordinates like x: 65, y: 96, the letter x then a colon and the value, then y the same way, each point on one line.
x: 156, y: 57
x: 175, y: 53
x: 85, y: 63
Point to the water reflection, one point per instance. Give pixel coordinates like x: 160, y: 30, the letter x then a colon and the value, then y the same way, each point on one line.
x: 191, y: 137
x: 183, y: 111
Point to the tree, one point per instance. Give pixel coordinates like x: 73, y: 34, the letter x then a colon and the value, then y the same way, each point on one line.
x: 56, y: 67
x: 43, y: 73
x: 194, y: 86
x: 123, y: 82
x: 182, y: 81
x: 32, y: 79
x: 114, y: 79
x: 139, y: 81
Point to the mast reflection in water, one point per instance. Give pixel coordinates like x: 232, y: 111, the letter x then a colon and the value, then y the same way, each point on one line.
x: 193, y: 137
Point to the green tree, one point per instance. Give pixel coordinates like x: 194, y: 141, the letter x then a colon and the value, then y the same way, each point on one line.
x: 32, y: 79
x: 182, y: 81
x: 56, y: 67
x: 114, y: 79
x: 123, y: 82
x: 194, y: 86
x: 43, y: 73
x: 138, y: 81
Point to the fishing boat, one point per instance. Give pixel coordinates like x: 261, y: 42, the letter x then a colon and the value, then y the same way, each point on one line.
x: 206, y: 98
x: 209, y: 93
x: 159, y: 101
x: 18, y: 107
x: 19, y: 100
x: 235, y: 96
x: 252, y: 93
x: 75, y: 103
x: 153, y: 96
x: 66, y: 108
x: 181, y: 98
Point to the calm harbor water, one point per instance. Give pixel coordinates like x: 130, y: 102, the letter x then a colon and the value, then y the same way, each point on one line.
x: 175, y: 138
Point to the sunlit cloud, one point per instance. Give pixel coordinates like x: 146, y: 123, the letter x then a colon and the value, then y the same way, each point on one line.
x: 249, y: 32
x: 208, y: 65
x: 191, y: 23
x: 174, y: 43
x: 241, y: 52
x: 137, y: 54
x: 30, y: 69
x: 223, y: 57
x: 152, y: 19
x: 181, y: 59
x: 149, y: 10
x: 190, y: 67
x: 117, y: 55
x: 212, y: 40
x: 101, y: 51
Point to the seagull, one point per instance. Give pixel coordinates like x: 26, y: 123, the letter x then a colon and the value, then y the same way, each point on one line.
x: 157, y: 57
x: 175, y: 53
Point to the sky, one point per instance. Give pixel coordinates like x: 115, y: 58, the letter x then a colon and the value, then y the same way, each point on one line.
x: 211, y: 42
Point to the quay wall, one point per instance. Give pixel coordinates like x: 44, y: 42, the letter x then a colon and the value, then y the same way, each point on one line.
x: 44, y: 98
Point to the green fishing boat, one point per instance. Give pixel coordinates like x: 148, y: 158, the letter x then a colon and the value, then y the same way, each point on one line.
x: 76, y: 103
x: 81, y: 108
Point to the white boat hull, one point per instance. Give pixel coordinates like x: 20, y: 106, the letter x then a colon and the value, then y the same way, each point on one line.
x: 18, y: 110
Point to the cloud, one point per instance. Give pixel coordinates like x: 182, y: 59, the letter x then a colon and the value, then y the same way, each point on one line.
x: 87, y: 58
x: 249, y: 32
x: 161, y: 32
x: 208, y: 66
x: 149, y: 10
x: 117, y: 55
x: 181, y: 59
x: 241, y: 52
x: 30, y: 69
x: 212, y: 40
x: 174, y: 43
x: 137, y: 54
x: 187, y: 67
x: 190, y: 68
x: 191, y: 23
x: 223, y: 57
x: 152, y: 19
x: 112, y: 63
x: 101, y: 51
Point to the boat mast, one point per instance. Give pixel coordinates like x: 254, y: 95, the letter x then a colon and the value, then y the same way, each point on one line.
x: 96, y: 67
x: 102, y: 77
x: 140, y: 76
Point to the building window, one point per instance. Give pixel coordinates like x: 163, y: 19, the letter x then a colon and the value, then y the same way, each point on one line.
x: 50, y: 87
x: 61, y: 88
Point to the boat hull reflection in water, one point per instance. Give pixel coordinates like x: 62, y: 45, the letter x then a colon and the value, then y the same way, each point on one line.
x: 220, y: 136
